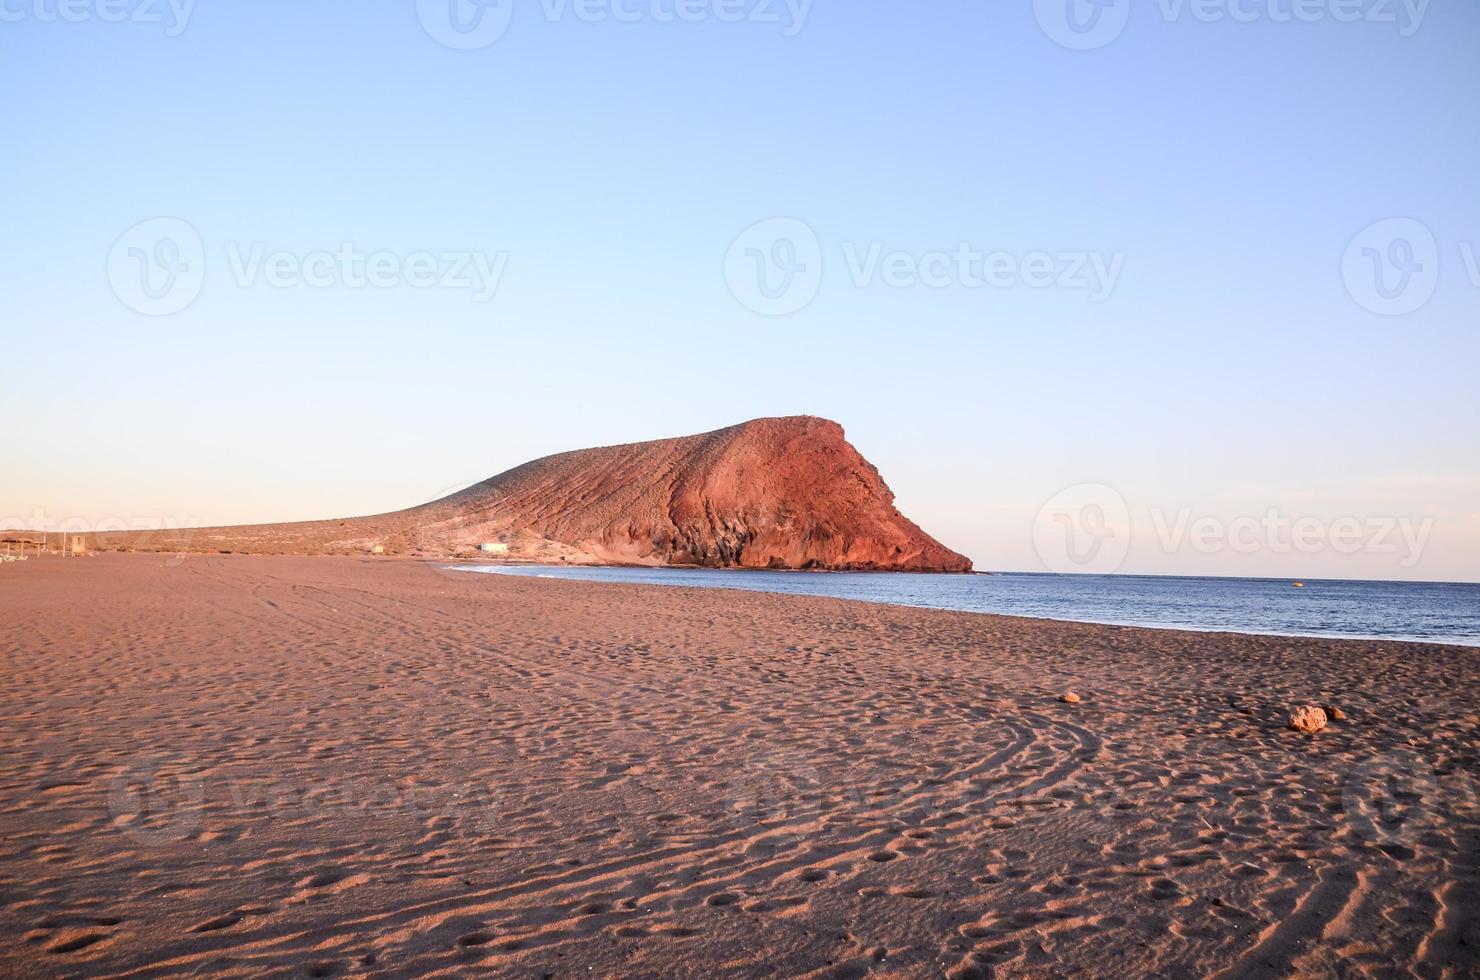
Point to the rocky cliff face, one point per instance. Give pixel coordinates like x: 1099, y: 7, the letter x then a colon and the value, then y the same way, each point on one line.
x: 770, y: 493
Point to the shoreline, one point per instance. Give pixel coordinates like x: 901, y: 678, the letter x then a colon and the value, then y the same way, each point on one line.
x: 520, y: 569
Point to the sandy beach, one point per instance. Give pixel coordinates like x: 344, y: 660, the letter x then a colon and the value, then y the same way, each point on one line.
x: 261, y: 766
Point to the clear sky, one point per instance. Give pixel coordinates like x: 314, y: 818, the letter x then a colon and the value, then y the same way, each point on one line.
x: 1184, y: 330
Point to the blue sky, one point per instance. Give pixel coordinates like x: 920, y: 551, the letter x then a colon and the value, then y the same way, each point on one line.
x: 1236, y: 366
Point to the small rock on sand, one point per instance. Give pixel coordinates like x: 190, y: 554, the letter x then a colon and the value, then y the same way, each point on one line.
x: 1308, y: 718
x: 1334, y: 713
x: 1069, y: 698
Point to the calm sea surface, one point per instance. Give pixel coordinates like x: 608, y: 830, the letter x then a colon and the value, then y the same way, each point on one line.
x: 1435, y: 612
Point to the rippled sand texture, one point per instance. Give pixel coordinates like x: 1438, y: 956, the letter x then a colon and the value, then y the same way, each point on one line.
x: 334, y: 766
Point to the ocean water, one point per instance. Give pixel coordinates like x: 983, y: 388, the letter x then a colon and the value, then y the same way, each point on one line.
x: 1429, y: 611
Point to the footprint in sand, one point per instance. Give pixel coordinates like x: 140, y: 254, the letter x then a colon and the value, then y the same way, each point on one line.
x: 78, y: 942
x: 218, y: 923
x: 1165, y: 889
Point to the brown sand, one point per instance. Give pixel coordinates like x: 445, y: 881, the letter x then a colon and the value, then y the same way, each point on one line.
x: 334, y: 766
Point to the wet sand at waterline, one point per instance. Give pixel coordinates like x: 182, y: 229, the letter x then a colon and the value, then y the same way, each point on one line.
x: 338, y: 766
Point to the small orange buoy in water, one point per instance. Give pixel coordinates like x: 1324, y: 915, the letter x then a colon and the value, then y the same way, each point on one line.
x: 1299, y: 585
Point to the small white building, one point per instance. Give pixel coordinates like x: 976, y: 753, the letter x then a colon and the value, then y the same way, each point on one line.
x: 494, y: 548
